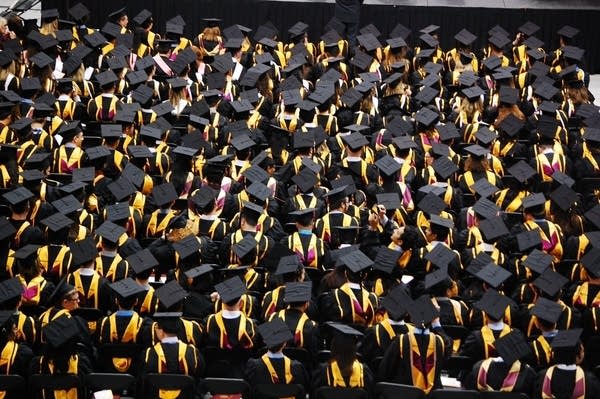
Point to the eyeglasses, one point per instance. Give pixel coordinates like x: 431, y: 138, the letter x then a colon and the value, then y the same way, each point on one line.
x: 76, y: 299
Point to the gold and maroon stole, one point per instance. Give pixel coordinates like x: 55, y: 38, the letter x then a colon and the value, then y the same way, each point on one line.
x: 422, y: 371
x: 578, y: 390
x: 488, y: 339
x: 508, y: 385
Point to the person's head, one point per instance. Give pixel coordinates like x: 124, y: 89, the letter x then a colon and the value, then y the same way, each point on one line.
x: 166, y: 324
x: 70, y: 300
x: 436, y: 233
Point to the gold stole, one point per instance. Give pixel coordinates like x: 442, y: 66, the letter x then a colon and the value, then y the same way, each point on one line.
x: 365, y: 304
x: 242, y: 333
x: 422, y: 378
x: 162, y: 363
x: 488, y: 339
x: 129, y: 336
x: 287, y: 365
x: 335, y: 378
x: 578, y: 389
x: 509, y: 382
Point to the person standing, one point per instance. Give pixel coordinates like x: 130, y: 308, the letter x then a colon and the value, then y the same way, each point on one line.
x: 348, y: 12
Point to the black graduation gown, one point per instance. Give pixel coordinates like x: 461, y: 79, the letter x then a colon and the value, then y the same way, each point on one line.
x: 497, y: 373
x: 309, y: 330
x: 319, y: 378
x: 377, y: 339
x: 562, y: 384
x: 256, y: 372
x: 473, y: 347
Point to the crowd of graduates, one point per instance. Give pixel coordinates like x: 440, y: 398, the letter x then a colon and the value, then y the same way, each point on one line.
x: 285, y: 209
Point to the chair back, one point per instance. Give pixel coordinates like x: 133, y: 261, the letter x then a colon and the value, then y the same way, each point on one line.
x: 119, y: 384
x: 503, y: 395
x: 52, y: 382
x: 453, y: 394
x: 278, y: 391
x: 171, y: 382
x: 341, y: 393
x: 388, y: 390
x: 227, y: 386
x: 13, y: 384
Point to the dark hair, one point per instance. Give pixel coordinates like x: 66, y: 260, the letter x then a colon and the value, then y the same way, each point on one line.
x: 343, y: 351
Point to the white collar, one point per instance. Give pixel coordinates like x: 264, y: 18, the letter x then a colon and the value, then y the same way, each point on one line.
x: 109, y: 254
x: 496, y: 326
x: 487, y: 247
x: 434, y: 243
x: 548, y: 151
x: 353, y: 159
x: 396, y: 323
x: 208, y: 217
x: 169, y: 340
x: 108, y: 95
x: 86, y: 271
x: 354, y: 286
x: 276, y: 355
x: 230, y: 314
x: 63, y: 97
x: 567, y: 367
x: 420, y: 331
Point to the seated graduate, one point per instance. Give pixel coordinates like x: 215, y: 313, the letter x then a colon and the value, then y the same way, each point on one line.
x: 274, y: 367
x: 15, y: 356
x: 505, y: 373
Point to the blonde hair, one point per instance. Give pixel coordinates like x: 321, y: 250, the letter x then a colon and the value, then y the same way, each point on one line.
x: 175, y: 96
x: 212, y: 34
x: 470, y: 108
x: 577, y: 95
x: 10, y: 69
x: 49, y: 28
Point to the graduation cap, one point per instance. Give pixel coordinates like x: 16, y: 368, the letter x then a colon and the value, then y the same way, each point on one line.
x: 275, y: 333
x: 164, y: 194
x: 400, y: 31
x: 550, y: 282
x: 127, y: 288
x: 117, y: 212
x: 547, y: 310
x: 397, y: 302
x: 198, y: 271
x: 118, y: 14
x: 573, y: 53
x: 355, y: 261
x: 142, y: 17
x: 432, y: 204
x: 259, y: 191
x: 591, y: 262
x: 67, y: 204
x: 493, y: 304
x: 355, y: 141
x: 170, y: 294
x: 231, y: 289
x: 6, y: 228
x: 434, y: 278
x: 467, y: 78
x: 388, y: 165
x: 429, y: 40
x: 465, y: 37
x: 41, y: 59
x: 441, y: 221
x: 389, y: 200
x: 522, y: 171
x: 110, y: 231
x: 473, y: 93
x: 106, y: 78
x: 564, y: 197
x: 298, y: 29
x: 143, y: 260
x: 60, y: 331
x: 492, y: 62
x: 538, y: 261
x: 396, y: 42
x: 97, y: 152
x: 203, y: 196
x: 83, y: 251
x: 512, y: 347
x: 343, y: 329
x: 444, y: 167
x: 533, y: 42
x: 297, y: 292
x: 568, y: 31
x: 567, y: 339
x: 79, y: 12
x: 248, y: 243
x: 533, y: 200
x: 369, y: 41
x: 10, y: 289
x: 426, y: 117
x: 18, y: 195
x: 386, y: 260
x: 528, y: 28
x: 493, y: 274
x: 422, y: 311
x: 288, y: 264
x: 440, y: 256
x: 499, y: 41
x: 529, y: 239
x: 484, y: 188
x: 509, y: 95
x: 426, y: 95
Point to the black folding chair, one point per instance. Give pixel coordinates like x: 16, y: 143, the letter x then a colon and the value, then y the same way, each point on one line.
x: 278, y: 391
x: 301, y: 355
x: 453, y: 394
x: 224, y: 363
x: 388, y: 390
x: 119, y: 384
x: 503, y: 395
x: 13, y: 384
x: 457, y: 365
x: 170, y: 382
x: 107, y: 352
x: 227, y: 386
x: 38, y: 383
x: 341, y: 393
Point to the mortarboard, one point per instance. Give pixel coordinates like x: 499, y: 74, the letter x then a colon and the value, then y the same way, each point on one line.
x: 21, y: 124
x: 10, y: 289
x: 141, y: 261
x: 493, y: 228
x: 388, y: 165
x: 400, y: 31
x: 231, y: 289
x: 538, y: 261
x: 509, y: 95
x: 467, y: 78
x: 164, y: 194
x: 79, y: 12
x: 567, y: 339
x: 528, y: 28
x: 493, y: 274
x: 550, y: 282
x: 306, y: 179
x: 343, y: 329
x: 429, y: 40
x: 533, y: 42
x: 248, y: 243
x: 18, y: 195
x: 6, y: 228
x: 142, y: 17
x: 492, y: 62
x: 110, y: 231
x: 547, y: 310
x: 60, y: 331
x: 275, y: 332
x: 97, y: 152
x: 386, y: 260
x: 465, y: 37
x: 573, y: 53
x: 41, y: 60
x: 203, y: 196
x: 431, y: 204
x: 259, y: 191
x: 485, y: 136
x: 389, y: 200
x: 170, y: 294
x: 444, y: 167
x: 198, y: 271
x: 568, y: 31
x: 499, y: 41
x: 49, y: 13
x: 297, y: 292
x: 368, y: 41
x: 440, y: 256
x: 397, y: 302
x: 426, y: 116
x: 529, y: 239
x: 118, y: 212
x: 564, y: 197
x: 441, y: 221
x: 67, y: 205
x: 512, y: 347
x: 430, y: 29
x: 355, y: 141
x: 57, y: 222
x: 127, y: 288
x: 484, y: 188
x: 298, y: 29
x: 473, y: 93
x: 351, y: 97
x: 288, y: 264
x: 422, y: 311
x: 591, y: 262
x: 493, y: 304
x: 434, y: 278
x: 163, y: 108
x: 396, y: 42
x: 426, y: 95
x: 118, y: 14
x: 355, y: 261
x: 83, y: 251
x: 522, y: 171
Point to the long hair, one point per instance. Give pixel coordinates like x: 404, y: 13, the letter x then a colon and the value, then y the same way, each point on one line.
x: 10, y: 69
x: 470, y: 107
x: 578, y: 95
x: 476, y: 165
x: 212, y: 34
x: 504, y: 111
x: 343, y: 351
